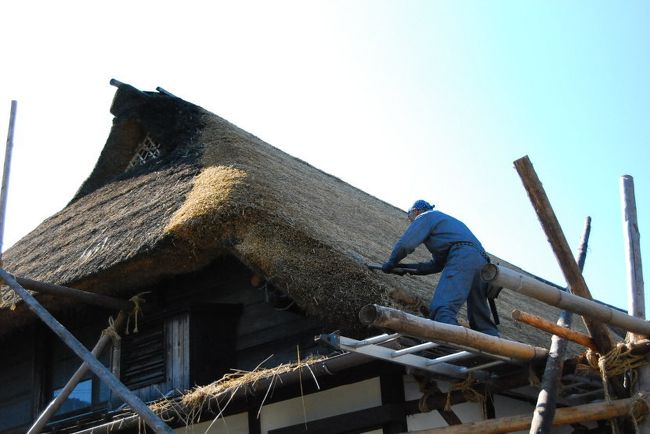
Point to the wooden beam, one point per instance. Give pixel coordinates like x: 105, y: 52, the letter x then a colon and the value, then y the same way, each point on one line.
x: 402, y: 322
x: 544, y: 413
x: 555, y: 235
x: 58, y: 401
x: 4, y: 191
x: 553, y: 328
x: 104, y: 374
x: 548, y: 294
x: 563, y: 416
x: 76, y: 294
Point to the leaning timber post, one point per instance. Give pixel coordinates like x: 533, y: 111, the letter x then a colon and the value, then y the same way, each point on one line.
x: 636, y: 292
x: 5, y: 173
x: 555, y: 235
x: 637, y: 406
x: 57, y: 402
x: 104, y: 374
x: 632, y: 238
x: 402, y: 322
x: 542, y: 421
x: 76, y: 294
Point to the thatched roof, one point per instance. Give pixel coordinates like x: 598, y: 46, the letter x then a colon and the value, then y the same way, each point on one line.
x: 218, y: 190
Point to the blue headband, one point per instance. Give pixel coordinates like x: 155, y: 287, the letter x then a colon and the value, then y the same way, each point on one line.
x: 421, y: 205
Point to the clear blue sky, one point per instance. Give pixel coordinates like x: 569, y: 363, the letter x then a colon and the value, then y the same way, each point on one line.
x: 403, y: 99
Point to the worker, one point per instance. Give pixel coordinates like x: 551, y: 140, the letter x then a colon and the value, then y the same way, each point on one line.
x: 458, y: 254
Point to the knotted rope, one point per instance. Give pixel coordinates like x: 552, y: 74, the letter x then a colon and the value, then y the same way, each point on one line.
x: 618, y: 361
x: 469, y: 393
x: 111, y: 331
x: 137, y: 300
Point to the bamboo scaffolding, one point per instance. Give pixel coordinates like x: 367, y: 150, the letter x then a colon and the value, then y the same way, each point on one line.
x: 76, y: 294
x: 563, y: 416
x: 548, y: 294
x: 402, y: 322
x: 554, y: 328
x: 58, y: 401
x: 4, y: 191
x: 551, y: 225
x: 104, y: 374
x: 544, y: 413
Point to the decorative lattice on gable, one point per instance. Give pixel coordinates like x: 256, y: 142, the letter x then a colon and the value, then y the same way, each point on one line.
x: 147, y: 150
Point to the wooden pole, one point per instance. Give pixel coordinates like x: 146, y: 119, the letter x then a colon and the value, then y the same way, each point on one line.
x: 548, y: 294
x: 553, y: 230
x: 4, y: 191
x: 544, y: 413
x: 76, y: 294
x: 636, y: 291
x: 104, y: 374
x: 558, y: 329
x: 402, y: 322
x: 636, y: 295
x: 57, y: 402
x: 563, y: 416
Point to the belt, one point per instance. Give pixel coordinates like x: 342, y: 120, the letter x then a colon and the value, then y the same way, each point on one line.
x: 469, y: 243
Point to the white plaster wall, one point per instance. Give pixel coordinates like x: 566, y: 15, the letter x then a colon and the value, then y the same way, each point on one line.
x: 332, y: 402
x: 236, y: 424
x: 468, y: 411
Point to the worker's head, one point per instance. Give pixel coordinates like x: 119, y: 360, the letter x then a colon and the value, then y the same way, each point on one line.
x: 418, y: 208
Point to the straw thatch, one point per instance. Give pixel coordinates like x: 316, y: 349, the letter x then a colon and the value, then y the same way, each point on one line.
x: 217, y: 190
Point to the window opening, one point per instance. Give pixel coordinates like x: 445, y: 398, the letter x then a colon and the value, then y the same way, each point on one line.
x: 147, y: 150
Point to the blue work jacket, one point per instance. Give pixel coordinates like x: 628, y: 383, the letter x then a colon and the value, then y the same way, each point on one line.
x: 438, y: 231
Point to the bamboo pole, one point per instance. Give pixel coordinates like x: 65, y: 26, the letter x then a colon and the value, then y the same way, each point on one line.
x: 544, y: 413
x: 104, y: 374
x: 553, y: 230
x: 412, y: 325
x: 636, y: 295
x: 76, y: 294
x: 531, y: 287
x: 4, y: 191
x: 56, y: 403
x: 563, y: 416
x: 556, y: 329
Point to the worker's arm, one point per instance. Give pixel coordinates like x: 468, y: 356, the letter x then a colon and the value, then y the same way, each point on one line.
x: 431, y: 267
x: 415, y: 235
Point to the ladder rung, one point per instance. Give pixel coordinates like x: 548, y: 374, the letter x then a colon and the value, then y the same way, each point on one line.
x: 414, y: 349
x: 375, y: 340
x: 483, y: 366
x: 449, y: 358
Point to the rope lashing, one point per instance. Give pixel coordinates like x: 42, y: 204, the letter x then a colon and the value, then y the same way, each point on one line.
x: 469, y: 393
x: 618, y: 361
x: 137, y: 300
x: 111, y: 331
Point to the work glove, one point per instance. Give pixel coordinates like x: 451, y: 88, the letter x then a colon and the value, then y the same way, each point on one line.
x: 386, y: 267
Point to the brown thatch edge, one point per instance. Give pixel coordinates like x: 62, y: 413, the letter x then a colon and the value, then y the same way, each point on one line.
x: 176, y: 412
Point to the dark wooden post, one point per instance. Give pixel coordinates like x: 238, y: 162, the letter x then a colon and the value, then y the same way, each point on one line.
x: 542, y: 422
x: 555, y: 235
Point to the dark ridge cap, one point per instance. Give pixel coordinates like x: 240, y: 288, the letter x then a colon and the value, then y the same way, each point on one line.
x: 169, y: 121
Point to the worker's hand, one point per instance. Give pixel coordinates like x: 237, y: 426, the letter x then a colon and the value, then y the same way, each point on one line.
x: 386, y: 267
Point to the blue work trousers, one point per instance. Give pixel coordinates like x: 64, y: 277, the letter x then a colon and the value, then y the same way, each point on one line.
x: 460, y: 281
